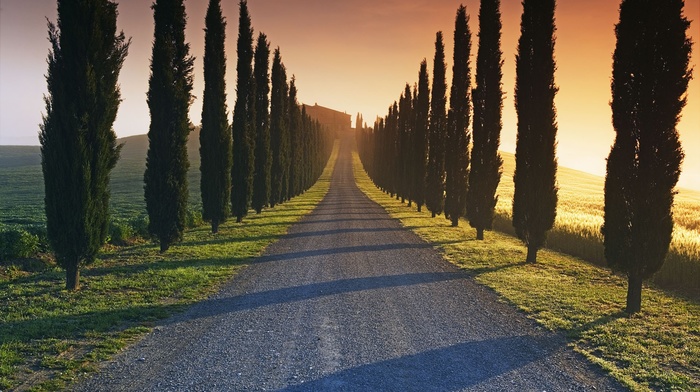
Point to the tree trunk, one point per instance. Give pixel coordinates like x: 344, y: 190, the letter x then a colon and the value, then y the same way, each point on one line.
x: 164, y: 245
x: 239, y: 219
x: 531, y: 254
x: 433, y: 215
x: 73, y: 276
x: 634, y: 293
x: 480, y: 234
x: 214, y: 226
x: 419, y: 207
x: 455, y: 222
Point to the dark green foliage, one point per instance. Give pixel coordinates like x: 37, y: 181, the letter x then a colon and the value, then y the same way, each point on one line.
x: 486, y: 162
x: 458, y: 135
x: 17, y: 243
x: 169, y: 97
x: 296, y: 142
x: 535, y: 198
x: 649, y: 83
x: 215, y: 135
x: 405, y: 125
x: 261, y: 101
x: 279, y: 134
x: 420, y: 136
x: 243, y: 127
x: 78, y: 144
x: 435, y: 178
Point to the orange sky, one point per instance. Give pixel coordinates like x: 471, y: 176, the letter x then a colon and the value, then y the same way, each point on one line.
x: 354, y: 56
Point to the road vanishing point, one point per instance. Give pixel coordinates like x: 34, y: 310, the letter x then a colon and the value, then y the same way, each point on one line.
x: 349, y: 300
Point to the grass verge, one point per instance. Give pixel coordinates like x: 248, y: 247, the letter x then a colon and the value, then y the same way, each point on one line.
x: 50, y: 337
x: 657, y: 349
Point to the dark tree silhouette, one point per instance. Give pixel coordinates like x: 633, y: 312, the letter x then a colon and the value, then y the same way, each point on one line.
x: 242, y: 127
x: 535, y: 198
x: 169, y: 97
x: 405, y: 129
x: 263, y: 159
x: 420, y: 136
x: 215, y: 135
x: 486, y: 162
x: 78, y: 144
x: 649, y: 83
x: 458, y: 135
x: 279, y: 134
x: 296, y: 141
x: 435, y: 178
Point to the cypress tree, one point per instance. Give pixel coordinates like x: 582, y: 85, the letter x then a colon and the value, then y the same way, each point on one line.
x: 279, y: 135
x: 458, y: 135
x: 486, y: 162
x: 405, y: 125
x: 649, y: 83
x: 243, y: 113
x: 420, y: 135
x: 296, y: 141
x: 392, y: 150
x: 435, y: 179
x: 535, y: 198
x: 263, y: 159
x: 169, y: 97
x: 78, y: 144
x: 215, y: 135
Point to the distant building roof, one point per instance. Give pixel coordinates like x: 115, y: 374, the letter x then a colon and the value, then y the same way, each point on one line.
x: 332, y: 119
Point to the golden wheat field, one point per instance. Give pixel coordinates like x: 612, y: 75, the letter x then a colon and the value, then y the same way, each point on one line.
x: 580, y: 217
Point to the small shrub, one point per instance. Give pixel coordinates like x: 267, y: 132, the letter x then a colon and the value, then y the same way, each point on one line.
x: 121, y: 232
x: 39, y: 230
x: 140, y: 226
x: 194, y: 218
x: 17, y: 243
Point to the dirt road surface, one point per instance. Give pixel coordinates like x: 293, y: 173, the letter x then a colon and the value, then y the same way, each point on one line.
x: 350, y: 301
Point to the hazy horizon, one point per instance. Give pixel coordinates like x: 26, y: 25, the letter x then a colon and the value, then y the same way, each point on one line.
x: 354, y: 56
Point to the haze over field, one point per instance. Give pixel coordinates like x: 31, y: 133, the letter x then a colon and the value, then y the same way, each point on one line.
x: 354, y: 56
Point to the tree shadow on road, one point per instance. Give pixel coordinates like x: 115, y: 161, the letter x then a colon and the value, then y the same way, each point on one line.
x: 450, y: 368
x: 314, y: 291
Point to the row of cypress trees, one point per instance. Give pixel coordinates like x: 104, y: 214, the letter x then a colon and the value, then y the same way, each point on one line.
x: 278, y: 150
x: 249, y: 159
x: 275, y: 153
x: 649, y: 82
x: 420, y: 150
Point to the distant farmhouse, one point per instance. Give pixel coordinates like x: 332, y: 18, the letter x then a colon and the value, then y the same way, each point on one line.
x: 336, y: 121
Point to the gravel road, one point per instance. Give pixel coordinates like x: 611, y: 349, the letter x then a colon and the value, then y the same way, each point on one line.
x: 350, y: 301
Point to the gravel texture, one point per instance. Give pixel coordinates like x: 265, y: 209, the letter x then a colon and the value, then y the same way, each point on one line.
x: 350, y: 301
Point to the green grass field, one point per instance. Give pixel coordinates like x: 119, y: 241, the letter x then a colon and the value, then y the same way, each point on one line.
x: 50, y: 337
x: 657, y: 349
x: 22, y: 183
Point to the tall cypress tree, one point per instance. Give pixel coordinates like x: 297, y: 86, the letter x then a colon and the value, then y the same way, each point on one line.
x: 296, y: 141
x: 279, y: 134
x: 435, y: 179
x: 243, y: 137
x: 169, y: 97
x: 420, y: 135
x: 649, y: 83
x: 535, y: 198
x: 78, y: 144
x: 405, y: 125
x: 458, y: 135
x: 263, y: 159
x: 486, y: 162
x: 215, y: 135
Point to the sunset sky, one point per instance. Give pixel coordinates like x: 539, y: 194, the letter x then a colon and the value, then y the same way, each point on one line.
x: 354, y: 56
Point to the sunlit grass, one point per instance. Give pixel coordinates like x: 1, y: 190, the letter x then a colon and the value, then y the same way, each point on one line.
x: 580, y: 217
x: 657, y: 349
x: 49, y: 337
